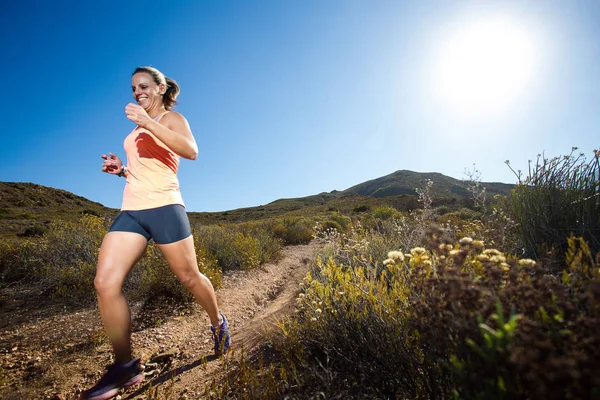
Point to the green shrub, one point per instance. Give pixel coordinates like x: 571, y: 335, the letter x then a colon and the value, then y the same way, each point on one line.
x: 19, y: 260
x: 385, y: 212
x: 298, y: 231
x: 363, y: 208
x: 34, y: 231
x: 292, y: 231
x: 238, y: 247
x: 332, y: 225
x: 69, y: 256
x: 270, y: 245
x: 441, y: 210
x: 341, y: 220
x: 557, y: 197
x: 91, y: 212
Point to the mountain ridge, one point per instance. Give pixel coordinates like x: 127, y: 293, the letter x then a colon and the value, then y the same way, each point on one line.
x: 406, y: 182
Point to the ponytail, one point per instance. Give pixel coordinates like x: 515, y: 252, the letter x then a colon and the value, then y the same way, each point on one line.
x: 170, y: 96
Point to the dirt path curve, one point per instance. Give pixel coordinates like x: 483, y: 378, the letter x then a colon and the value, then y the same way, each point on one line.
x: 62, y: 356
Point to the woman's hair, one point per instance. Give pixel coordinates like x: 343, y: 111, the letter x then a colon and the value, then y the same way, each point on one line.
x: 170, y: 96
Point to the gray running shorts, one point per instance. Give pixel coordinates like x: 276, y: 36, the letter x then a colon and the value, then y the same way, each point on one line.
x: 167, y: 224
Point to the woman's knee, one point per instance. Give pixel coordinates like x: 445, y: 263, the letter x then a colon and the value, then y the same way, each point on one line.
x: 191, y: 279
x: 105, y: 285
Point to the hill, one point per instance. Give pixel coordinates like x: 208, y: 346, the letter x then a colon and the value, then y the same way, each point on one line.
x: 405, y: 182
x: 26, y: 209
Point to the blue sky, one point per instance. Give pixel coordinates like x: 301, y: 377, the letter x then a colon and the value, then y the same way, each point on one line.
x: 293, y: 98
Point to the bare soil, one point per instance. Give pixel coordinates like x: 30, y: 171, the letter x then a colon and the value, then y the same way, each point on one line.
x: 51, y: 351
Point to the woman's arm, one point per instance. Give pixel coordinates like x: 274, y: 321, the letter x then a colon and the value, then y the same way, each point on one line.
x: 173, y: 130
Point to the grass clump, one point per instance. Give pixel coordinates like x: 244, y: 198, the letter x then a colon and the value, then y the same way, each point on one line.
x: 19, y: 260
x: 292, y: 231
x: 250, y: 378
x: 68, y: 255
x: 558, y: 197
x: 241, y: 247
x: 385, y: 212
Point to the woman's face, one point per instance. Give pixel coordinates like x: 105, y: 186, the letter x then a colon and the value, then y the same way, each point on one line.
x: 146, y: 92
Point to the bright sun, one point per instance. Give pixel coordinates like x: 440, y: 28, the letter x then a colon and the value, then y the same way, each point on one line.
x: 484, y: 66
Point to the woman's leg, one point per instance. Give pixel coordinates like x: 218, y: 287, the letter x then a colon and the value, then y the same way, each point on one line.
x: 181, y: 256
x: 118, y: 254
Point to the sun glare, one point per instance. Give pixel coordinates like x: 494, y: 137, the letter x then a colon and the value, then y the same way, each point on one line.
x: 484, y: 66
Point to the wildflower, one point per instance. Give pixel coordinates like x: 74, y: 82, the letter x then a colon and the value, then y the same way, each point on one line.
x: 427, y: 263
x: 445, y: 247
x: 527, y: 263
x: 417, y: 251
x: 396, y: 256
x: 505, y: 266
x: 454, y: 252
x: 498, y: 259
x: 313, y: 319
x: 318, y: 311
x: 466, y: 241
x: 483, y: 257
x: 492, y: 252
x: 478, y: 244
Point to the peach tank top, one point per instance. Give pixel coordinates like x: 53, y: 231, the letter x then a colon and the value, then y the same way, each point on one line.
x: 151, y: 172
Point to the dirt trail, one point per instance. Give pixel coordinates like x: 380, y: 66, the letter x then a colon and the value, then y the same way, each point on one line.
x: 57, y: 355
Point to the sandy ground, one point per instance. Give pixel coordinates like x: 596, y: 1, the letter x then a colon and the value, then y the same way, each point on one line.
x: 49, y: 353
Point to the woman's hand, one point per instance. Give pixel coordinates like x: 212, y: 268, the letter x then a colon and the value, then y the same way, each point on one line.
x: 137, y: 114
x: 112, y: 164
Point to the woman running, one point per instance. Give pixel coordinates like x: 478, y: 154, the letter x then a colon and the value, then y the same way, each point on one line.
x: 152, y: 208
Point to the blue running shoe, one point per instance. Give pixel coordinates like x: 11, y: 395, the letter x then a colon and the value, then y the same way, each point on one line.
x: 221, y: 336
x: 117, y: 377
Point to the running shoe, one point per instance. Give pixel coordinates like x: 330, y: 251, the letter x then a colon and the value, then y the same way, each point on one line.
x: 117, y: 377
x: 221, y: 336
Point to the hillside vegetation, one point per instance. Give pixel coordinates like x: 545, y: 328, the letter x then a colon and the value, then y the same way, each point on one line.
x: 27, y: 209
